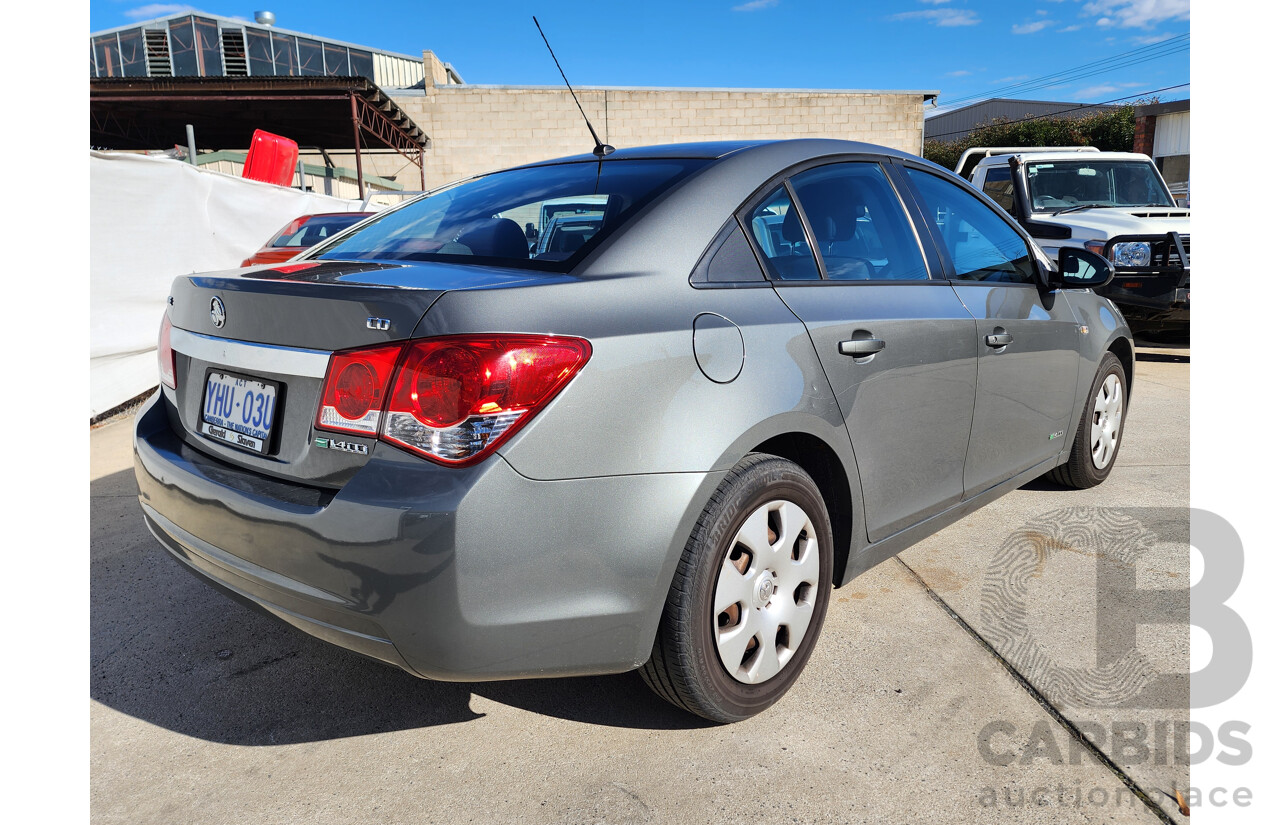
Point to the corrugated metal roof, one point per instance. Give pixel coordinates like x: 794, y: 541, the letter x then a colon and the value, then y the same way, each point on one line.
x: 152, y: 113
x: 959, y: 123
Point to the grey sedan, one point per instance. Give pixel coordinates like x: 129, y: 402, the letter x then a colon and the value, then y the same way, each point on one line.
x: 766, y: 368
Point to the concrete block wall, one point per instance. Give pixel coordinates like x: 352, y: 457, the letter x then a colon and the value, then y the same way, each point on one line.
x: 477, y: 129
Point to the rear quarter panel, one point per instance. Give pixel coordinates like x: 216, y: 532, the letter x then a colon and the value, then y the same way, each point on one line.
x: 642, y: 407
x: 642, y: 404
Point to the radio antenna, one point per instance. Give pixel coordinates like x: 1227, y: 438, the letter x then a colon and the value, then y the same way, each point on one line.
x: 602, y: 148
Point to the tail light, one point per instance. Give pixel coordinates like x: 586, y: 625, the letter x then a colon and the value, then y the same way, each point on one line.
x: 355, y: 389
x: 164, y: 352
x: 453, y: 399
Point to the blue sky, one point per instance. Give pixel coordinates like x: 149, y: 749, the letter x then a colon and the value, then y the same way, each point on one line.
x: 962, y: 48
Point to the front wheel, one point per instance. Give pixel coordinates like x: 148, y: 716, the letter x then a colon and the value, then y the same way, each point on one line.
x: 1093, y: 453
x: 749, y: 596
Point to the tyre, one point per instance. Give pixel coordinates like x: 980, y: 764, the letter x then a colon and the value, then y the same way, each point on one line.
x: 1097, y: 442
x: 749, y: 596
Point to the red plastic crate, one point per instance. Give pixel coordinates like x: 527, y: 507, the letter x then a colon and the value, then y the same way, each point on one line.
x: 272, y: 159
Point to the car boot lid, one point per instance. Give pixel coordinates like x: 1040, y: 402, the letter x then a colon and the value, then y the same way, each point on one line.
x: 326, y: 305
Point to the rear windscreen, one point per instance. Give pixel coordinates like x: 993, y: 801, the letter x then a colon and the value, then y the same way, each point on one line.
x: 545, y: 217
x: 315, y: 229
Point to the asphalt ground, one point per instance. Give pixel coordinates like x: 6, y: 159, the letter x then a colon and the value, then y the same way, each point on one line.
x: 979, y: 677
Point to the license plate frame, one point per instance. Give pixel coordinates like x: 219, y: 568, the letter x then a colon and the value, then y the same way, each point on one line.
x: 232, y: 432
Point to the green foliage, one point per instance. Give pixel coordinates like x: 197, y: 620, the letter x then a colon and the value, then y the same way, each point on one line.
x: 1109, y: 131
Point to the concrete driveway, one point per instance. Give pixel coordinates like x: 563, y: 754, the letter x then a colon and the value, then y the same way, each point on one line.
x: 975, y: 679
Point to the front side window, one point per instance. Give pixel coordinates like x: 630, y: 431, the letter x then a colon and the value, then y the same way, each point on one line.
x: 998, y: 186
x: 982, y: 246
x: 545, y: 217
x: 858, y: 223
x: 1079, y: 184
x: 776, y: 225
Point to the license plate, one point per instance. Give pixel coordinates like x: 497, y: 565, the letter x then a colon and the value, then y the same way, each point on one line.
x: 239, y: 411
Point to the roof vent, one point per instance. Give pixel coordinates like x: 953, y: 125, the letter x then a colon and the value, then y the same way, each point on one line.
x: 264, y: 18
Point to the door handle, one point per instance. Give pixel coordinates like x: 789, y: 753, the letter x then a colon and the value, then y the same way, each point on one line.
x: 999, y: 339
x: 861, y: 347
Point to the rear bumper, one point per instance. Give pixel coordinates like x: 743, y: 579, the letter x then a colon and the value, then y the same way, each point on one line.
x: 262, y: 589
x: 453, y: 574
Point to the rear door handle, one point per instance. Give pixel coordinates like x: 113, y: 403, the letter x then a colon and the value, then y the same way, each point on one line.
x: 860, y: 347
x: 999, y: 339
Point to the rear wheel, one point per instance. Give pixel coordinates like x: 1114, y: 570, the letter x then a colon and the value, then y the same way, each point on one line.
x: 749, y: 596
x: 1093, y: 453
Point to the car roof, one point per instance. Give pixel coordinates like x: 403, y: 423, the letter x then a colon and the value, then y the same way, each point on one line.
x: 708, y: 150
x: 713, y: 150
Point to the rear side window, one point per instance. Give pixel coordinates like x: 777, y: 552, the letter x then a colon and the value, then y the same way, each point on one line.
x: 998, y: 186
x: 858, y: 223
x: 545, y: 217
x: 731, y: 260
x: 776, y: 225
x: 982, y: 246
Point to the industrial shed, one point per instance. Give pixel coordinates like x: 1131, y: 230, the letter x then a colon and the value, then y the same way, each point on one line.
x: 463, y: 129
x: 957, y: 124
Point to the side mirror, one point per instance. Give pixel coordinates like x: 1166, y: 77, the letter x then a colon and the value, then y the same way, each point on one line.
x: 1079, y: 268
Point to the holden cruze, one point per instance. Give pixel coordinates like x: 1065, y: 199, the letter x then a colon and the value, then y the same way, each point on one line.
x: 740, y: 374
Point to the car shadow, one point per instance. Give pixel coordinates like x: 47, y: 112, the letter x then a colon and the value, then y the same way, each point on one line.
x: 1044, y: 484
x: 170, y: 650
x: 1164, y: 357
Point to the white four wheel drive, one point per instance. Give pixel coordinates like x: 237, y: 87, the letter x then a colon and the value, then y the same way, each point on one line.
x: 1113, y: 203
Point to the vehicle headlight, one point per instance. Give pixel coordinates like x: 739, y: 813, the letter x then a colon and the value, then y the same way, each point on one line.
x: 1134, y: 253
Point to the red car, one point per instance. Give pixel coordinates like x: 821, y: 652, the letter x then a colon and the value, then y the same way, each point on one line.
x: 301, y: 233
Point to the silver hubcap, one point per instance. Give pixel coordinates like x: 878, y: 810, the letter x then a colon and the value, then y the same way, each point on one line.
x: 1108, y: 411
x: 764, y: 595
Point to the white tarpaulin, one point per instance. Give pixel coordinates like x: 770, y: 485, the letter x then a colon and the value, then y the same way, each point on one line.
x: 152, y: 219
